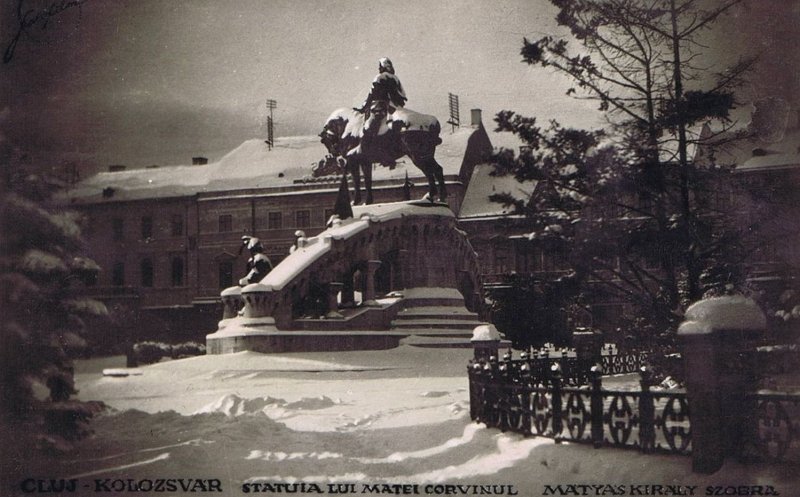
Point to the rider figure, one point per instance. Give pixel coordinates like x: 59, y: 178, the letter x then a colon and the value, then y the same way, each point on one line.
x: 386, y: 87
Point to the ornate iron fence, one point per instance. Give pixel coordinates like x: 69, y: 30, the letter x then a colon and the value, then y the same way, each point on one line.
x: 574, y: 370
x: 536, y: 397
x: 629, y: 362
x: 777, y: 428
x: 512, y: 397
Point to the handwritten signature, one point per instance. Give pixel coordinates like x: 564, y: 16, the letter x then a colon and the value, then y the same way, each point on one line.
x: 32, y: 17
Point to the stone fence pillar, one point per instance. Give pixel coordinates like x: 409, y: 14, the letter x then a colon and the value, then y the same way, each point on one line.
x: 588, y: 344
x: 718, y: 351
x: 485, y: 342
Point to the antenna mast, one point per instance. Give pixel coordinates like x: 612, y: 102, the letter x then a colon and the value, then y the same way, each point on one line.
x: 455, y: 119
x: 271, y: 105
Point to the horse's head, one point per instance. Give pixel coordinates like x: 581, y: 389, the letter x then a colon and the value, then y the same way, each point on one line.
x: 331, y: 135
x: 330, y: 139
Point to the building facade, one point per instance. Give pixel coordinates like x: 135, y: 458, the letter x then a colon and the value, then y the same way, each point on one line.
x: 169, y: 239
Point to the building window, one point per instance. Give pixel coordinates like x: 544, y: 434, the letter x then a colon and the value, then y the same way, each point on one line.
x: 500, y: 261
x: 303, y: 219
x: 177, y: 225
x: 118, y: 274
x: 274, y: 221
x: 147, y: 227
x: 225, y: 274
x: 147, y: 272
x: 225, y: 223
x: 117, y: 229
x: 177, y: 270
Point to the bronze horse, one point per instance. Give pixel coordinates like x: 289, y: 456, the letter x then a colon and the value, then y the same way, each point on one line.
x: 366, y: 139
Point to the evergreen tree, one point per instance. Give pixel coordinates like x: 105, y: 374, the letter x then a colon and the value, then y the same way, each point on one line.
x: 41, y: 270
x: 626, y: 205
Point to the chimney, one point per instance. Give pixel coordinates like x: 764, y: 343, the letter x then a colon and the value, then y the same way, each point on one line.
x: 476, y: 117
x: 114, y: 168
x: 199, y: 161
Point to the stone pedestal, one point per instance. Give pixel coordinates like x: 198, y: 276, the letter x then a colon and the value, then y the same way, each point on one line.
x: 333, y: 304
x: 231, y: 301
x: 257, y: 300
x: 716, y: 339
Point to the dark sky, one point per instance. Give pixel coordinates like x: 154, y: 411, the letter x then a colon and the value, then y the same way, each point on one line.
x: 142, y: 82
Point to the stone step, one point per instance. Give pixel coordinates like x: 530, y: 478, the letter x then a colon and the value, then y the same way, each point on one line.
x: 437, y: 312
x: 455, y: 333
x: 431, y: 323
x: 426, y: 297
x: 437, y: 342
x: 434, y: 301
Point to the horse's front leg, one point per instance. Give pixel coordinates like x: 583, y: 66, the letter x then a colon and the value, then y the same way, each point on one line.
x: 367, y: 169
x: 354, y: 167
x: 438, y: 172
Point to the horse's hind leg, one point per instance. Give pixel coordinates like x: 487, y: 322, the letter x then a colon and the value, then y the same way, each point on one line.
x: 435, y: 174
x: 431, y: 185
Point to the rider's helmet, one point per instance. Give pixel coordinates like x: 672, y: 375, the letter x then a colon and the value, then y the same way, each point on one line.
x: 385, y: 65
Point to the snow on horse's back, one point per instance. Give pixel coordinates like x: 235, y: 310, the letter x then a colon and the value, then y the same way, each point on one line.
x: 415, y: 121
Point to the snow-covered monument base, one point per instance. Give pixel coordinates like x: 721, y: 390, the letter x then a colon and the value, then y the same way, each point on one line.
x: 415, y: 272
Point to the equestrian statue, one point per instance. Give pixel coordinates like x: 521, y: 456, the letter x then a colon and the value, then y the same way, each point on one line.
x: 381, y: 131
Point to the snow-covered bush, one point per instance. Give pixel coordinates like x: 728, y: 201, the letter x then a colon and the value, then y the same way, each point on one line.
x: 152, y: 352
x: 188, y: 349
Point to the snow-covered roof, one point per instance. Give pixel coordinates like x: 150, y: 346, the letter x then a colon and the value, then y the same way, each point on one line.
x: 476, y: 201
x: 755, y: 154
x: 251, y: 165
x: 482, y: 184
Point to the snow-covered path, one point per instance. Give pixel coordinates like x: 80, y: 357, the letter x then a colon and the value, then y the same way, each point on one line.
x: 358, y: 419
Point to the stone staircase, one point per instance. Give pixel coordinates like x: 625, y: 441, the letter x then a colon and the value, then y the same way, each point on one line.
x: 435, y: 317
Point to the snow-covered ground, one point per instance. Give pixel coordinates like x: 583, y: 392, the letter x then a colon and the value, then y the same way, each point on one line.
x: 359, y: 419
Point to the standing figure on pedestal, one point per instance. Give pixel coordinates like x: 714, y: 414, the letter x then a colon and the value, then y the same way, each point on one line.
x: 258, y: 265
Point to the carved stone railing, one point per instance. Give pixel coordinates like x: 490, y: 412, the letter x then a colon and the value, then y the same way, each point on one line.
x: 429, y: 251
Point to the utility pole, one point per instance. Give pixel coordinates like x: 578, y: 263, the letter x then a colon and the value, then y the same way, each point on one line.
x: 271, y: 105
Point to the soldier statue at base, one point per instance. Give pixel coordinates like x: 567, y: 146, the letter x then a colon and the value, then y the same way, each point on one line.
x: 258, y: 265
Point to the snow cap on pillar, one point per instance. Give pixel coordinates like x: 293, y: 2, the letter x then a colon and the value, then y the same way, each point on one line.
x: 727, y: 313
x: 485, y: 333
